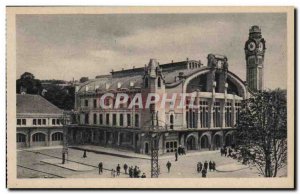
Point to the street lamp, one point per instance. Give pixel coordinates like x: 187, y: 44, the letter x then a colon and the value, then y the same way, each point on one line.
x: 65, y: 119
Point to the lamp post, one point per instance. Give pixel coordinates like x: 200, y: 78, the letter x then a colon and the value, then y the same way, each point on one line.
x: 65, y: 121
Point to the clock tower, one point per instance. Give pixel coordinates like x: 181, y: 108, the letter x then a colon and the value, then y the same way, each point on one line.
x: 255, y: 50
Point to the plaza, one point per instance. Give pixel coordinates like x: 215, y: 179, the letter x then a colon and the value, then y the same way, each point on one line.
x: 31, y: 164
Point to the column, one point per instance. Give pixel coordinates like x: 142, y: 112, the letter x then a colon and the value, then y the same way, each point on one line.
x: 224, y: 105
x: 233, y: 111
x: 28, y: 140
x: 198, y: 110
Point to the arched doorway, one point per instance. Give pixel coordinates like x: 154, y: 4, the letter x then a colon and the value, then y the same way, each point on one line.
x: 57, y: 138
x: 191, y: 143
x: 146, y: 148
x: 39, y: 139
x: 217, y: 141
x: 204, y: 142
x: 21, y: 140
x: 229, y: 140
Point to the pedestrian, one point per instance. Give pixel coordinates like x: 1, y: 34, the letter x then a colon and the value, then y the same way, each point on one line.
x: 100, y: 166
x: 210, y: 165
x: 222, y: 151
x: 118, y: 170
x: 138, y: 173
x: 131, y: 172
x: 135, y: 172
x: 204, y: 173
x: 176, y: 156
x: 201, y: 165
x: 169, y: 166
x: 205, y: 165
x: 63, y: 158
x: 113, y: 173
x: 180, y: 150
x: 214, y: 166
x: 229, y: 152
x: 143, y: 175
x: 198, y: 167
x: 183, y: 151
x: 125, y: 168
x: 225, y: 151
x: 84, y: 154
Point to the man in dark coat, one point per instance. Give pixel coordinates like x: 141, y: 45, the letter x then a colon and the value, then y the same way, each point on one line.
x: 210, y: 165
x: 125, y: 168
x: 84, y: 154
x: 214, y: 166
x: 169, y: 166
x: 176, y: 156
x: 205, y: 165
x: 118, y: 170
x: 198, y: 167
x: 204, y: 173
x: 100, y: 166
x: 131, y: 172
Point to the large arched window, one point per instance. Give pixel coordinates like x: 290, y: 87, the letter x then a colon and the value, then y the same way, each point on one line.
x: 58, y: 136
x: 21, y: 137
x: 158, y: 82
x: 38, y: 137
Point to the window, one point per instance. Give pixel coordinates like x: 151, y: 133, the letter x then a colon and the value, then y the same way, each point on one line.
x: 39, y: 121
x: 228, y: 122
x: 86, y: 118
x: 44, y: 121
x: 237, y: 111
x: 204, y: 120
x: 34, y: 121
x: 128, y: 120
x: 95, y: 103
x: 136, y: 118
x: 114, y: 119
x: 158, y: 82
x: 107, y: 119
x: 58, y: 136
x: 23, y: 121
x: 21, y: 137
x: 86, y: 103
x: 128, y: 101
x: 121, y: 120
x: 100, y: 119
x: 18, y: 121
x: 37, y: 137
x: 171, y: 146
x: 58, y: 121
x: 146, y: 82
x: 95, y: 119
x: 171, y: 121
x: 217, y: 114
x: 53, y: 122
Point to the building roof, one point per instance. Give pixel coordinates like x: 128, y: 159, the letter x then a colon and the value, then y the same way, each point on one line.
x: 35, y: 104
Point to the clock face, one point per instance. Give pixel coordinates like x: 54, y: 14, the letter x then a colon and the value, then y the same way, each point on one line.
x: 251, y: 46
x: 261, y: 46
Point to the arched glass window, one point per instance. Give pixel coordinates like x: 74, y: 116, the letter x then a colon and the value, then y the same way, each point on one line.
x: 38, y: 137
x: 21, y: 137
x: 146, y: 82
x: 58, y: 136
x: 158, y: 82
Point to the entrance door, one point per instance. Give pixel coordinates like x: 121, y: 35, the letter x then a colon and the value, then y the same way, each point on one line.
x: 191, y: 143
x: 204, y: 142
x: 217, y: 141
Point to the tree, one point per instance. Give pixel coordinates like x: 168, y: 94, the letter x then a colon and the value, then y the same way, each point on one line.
x: 27, y: 83
x: 262, y: 131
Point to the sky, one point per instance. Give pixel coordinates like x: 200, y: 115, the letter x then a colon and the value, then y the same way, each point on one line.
x: 74, y: 46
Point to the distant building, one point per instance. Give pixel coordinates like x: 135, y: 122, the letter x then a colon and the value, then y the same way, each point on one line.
x: 38, y: 122
x: 216, y: 91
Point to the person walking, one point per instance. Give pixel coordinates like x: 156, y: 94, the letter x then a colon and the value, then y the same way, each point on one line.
x: 125, y: 168
x: 198, y: 167
x: 118, y: 170
x: 176, y: 156
x: 225, y: 151
x: 205, y: 165
x: 210, y: 166
x: 131, y: 172
x: 214, y: 166
x: 84, y: 154
x: 169, y: 166
x: 100, y: 166
x: 204, y: 173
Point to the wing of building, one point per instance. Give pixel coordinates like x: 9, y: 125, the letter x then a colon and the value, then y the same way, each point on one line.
x: 38, y: 122
x: 215, y: 90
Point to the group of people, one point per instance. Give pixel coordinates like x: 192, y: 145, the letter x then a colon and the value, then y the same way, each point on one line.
x: 132, y: 172
x: 226, y: 151
x: 203, y: 168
